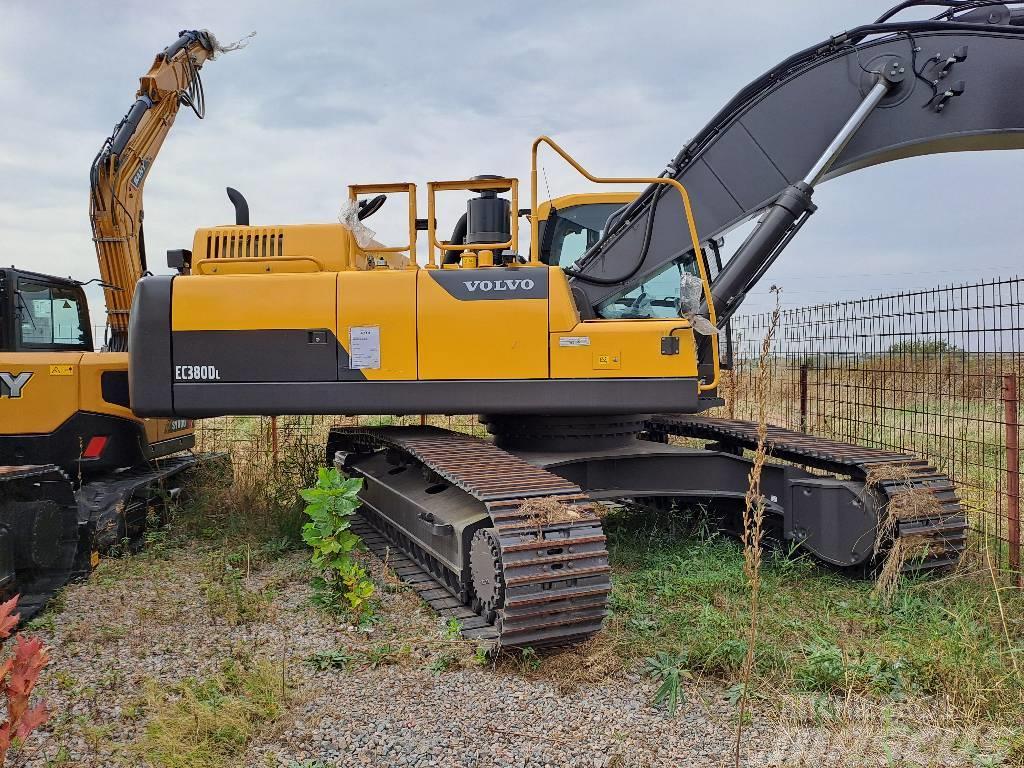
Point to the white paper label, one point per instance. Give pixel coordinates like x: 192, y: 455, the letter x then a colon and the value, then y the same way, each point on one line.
x: 364, y: 347
x: 574, y: 341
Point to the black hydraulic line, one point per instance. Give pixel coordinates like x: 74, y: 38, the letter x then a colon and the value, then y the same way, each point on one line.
x: 458, y: 238
x: 952, y: 6
x: 185, y: 38
x: 637, y: 265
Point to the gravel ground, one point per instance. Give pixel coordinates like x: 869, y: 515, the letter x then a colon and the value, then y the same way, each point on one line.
x: 145, y: 623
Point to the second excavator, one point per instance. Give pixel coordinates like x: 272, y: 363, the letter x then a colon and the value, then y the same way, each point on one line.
x: 586, y: 355
x: 79, y: 473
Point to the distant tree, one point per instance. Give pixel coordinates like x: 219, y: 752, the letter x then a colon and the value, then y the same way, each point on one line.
x: 923, y: 347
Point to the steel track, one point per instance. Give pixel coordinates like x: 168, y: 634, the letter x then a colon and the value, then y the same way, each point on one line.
x: 942, y: 536
x: 23, y: 486
x: 105, y: 512
x: 556, y: 574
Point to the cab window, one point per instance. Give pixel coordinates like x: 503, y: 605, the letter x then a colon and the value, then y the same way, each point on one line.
x: 573, y: 231
x: 50, y: 316
x: 658, y: 297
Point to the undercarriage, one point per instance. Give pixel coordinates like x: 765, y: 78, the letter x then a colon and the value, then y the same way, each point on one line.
x: 53, y: 528
x: 506, y: 535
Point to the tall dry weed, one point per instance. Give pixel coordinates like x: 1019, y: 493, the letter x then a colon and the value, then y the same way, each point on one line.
x: 260, y: 498
x: 753, y: 513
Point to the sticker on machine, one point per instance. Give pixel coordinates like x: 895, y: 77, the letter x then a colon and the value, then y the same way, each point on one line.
x: 574, y: 341
x: 364, y: 346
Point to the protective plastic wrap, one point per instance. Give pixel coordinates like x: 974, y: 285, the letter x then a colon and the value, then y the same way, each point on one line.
x: 349, y: 218
x: 219, y: 48
x: 691, y: 293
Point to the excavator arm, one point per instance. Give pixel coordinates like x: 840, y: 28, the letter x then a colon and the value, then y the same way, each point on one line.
x: 877, y: 93
x: 119, y: 171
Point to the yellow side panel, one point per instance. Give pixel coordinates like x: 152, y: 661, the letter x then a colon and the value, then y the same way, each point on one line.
x: 501, y: 338
x: 90, y: 387
x: 44, y: 392
x: 330, y: 245
x: 254, y: 302
x: 622, y: 349
x: 563, y: 313
x: 61, y: 384
x: 386, y: 301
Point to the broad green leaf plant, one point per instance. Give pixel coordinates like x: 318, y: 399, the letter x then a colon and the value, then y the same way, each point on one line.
x: 343, y: 585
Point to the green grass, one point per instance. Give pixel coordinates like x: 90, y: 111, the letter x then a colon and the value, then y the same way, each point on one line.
x: 209, y: 722
x: 820, y: 632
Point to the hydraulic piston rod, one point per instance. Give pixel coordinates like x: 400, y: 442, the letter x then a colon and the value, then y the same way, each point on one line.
x: 829, y: 156
x: 791, y: 208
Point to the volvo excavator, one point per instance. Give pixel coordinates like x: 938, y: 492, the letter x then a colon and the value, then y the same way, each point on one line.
x: 587, y: 354
x: 78, y: 471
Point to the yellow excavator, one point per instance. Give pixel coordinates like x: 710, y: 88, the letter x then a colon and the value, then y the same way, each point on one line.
x: 78, y: 471
x: 584, y: 353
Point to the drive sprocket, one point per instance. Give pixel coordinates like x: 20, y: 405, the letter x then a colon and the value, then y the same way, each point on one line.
x: 487, y: 573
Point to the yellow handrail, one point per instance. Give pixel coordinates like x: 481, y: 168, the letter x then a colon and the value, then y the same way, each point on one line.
x: 354, y: 190
x: 500, y: 184
x: 535, y: 227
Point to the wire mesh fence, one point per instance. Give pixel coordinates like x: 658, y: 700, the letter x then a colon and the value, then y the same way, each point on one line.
x: 936, y: 373
x: 931, y: 372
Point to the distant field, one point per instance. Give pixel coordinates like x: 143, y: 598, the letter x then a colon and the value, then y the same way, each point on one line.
x: 948, y: 409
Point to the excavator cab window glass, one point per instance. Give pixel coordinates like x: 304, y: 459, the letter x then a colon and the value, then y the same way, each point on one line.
x: 575, y: 230
x: 657, y: 297
x: 51, y: 316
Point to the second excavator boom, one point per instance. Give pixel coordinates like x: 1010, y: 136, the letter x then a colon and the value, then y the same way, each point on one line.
x: 119, y: 171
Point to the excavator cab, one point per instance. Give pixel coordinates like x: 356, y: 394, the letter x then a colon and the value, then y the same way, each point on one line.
x: 40, y: 313
x: 571, y: 225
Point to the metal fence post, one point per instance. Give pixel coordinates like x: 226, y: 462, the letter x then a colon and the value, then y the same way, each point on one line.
x: 803, y: 397
x: 273, y: 440
x: 1012, y: 471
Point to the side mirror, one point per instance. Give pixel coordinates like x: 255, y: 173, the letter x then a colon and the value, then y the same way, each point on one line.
x: 180, y: 260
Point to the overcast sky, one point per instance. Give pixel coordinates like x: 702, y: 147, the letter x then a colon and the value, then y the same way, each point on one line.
x: 331, y: 93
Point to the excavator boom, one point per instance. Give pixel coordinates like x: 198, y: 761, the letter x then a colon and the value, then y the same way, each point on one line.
x: 955, y: 89
x: 119, y: 171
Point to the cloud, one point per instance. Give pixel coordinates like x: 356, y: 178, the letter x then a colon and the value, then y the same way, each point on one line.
x: 333, y: 93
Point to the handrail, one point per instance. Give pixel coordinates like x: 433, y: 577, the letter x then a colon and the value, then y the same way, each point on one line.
x: 354, y: 190
x: 501, y: 185
x: 535, y: 227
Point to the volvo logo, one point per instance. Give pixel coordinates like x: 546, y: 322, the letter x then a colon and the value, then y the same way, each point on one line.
x: 11, y: 384
x: 493, y: 286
